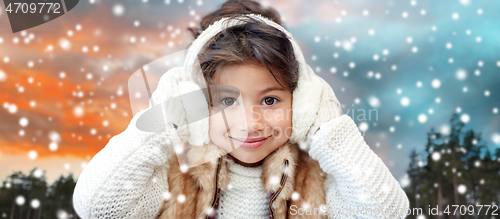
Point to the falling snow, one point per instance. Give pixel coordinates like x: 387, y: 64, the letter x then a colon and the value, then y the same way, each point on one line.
x: 118, y: 10
x: 23, y: 122
x: 32, y: 154
x: 364, y: 65
x: 20, y: 200
x: 3, y: 76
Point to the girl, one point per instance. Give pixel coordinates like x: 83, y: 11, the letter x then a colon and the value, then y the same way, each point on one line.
x: 270, y: 140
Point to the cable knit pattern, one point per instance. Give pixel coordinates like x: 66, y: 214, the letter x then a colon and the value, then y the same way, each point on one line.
x: 356, y: 175
x: 245, y: 196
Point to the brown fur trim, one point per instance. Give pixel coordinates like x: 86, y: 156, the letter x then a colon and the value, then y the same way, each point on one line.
x: 203, y: 160
x: 272, y: 172
x: 181, y: 184
x: 205, y: 174
x: 304, y: 176
x: 309, y: 178
x: 197, y: 184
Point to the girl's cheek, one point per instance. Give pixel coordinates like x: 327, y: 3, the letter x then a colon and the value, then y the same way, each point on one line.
x: 217, y: 123
x: 279, y: 120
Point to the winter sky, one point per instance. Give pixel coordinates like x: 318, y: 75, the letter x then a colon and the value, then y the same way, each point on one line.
x: 63, y: 85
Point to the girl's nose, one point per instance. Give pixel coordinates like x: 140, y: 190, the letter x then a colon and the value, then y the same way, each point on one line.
x: 254, y: 121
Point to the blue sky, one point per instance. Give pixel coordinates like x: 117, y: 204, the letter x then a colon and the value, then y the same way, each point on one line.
x: 402, y: 44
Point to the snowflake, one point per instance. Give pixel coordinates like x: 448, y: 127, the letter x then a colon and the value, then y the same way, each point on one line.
x: 404, y: 14
x: 20, y: 200
x: 181, y: 198
x: 445, y: 130
x: 3, y: 76
x: 64, y: 44
x: 405, y: 101
x: 461, y: 189
x: 53, y: 146
x: 118, y: 10
x: 38, y: 173
x: 461, y: 74
x: 32, y: 154
x: 184, y: 168
x: 363, y: 127
x: 374, y: 102
x: 397, y: 118
x: 436, y: 156
x: 23, y: 122
x: 422, y: 118
x: 465, y: 118
x: 409, y: 40
x: 78, y: 111
x: 61, y: 214
x: 465, y: 2
x: 35, y: 203
x: 436, y: 83
x: 274, y: 180
x: 167, y: 195
x: 495, y: 137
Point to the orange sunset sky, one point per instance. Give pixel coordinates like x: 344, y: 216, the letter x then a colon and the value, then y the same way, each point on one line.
x: 63, y: 84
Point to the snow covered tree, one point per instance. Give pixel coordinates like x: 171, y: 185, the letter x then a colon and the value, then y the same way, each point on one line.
x: 458, y: 169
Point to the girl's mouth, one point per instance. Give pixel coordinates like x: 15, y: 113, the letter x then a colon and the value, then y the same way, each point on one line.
x: 251, y: 143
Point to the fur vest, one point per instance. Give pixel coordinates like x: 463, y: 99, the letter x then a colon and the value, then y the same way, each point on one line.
x: 201, y: 184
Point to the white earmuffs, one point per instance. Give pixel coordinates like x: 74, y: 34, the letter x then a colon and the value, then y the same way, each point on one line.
x: 311, y: 93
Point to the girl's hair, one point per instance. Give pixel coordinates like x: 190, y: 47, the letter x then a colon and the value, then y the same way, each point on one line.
x: 249, y: 42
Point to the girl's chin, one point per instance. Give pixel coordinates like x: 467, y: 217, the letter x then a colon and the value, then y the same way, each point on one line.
x: 245, y: 161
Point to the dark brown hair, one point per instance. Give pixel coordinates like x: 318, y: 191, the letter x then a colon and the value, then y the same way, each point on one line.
x: 252, y: 41
x: 236, y: 8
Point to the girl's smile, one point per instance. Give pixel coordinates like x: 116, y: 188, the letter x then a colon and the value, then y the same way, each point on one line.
x: 257, y: 120
x: 251, y: 143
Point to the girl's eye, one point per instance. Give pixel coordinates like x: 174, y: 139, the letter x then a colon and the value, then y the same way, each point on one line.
x: 229, y: 101
x: 269, y: 101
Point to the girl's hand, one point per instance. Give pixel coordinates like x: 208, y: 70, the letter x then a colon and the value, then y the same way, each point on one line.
x: 334, y: 136
x: 331, y: 134
x: 357, y: 175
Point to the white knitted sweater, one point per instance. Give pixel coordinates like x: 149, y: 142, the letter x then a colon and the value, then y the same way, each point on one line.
x: 245, y: 196
x: 127, y: 179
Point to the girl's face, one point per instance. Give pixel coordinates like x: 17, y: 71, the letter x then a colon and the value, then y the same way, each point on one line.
x: 259, y: 119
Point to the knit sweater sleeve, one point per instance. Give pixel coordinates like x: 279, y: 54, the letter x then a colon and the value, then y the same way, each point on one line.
x: 358, y: 184
x: 128, y: 177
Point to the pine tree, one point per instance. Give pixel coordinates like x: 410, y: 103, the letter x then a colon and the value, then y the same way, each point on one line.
x: 457, y: 169
x: 40, y: 200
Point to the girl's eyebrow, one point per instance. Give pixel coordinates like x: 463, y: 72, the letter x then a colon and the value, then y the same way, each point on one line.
x: 233, y: 91
x: 224, y: 89
x: 269, y: 89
